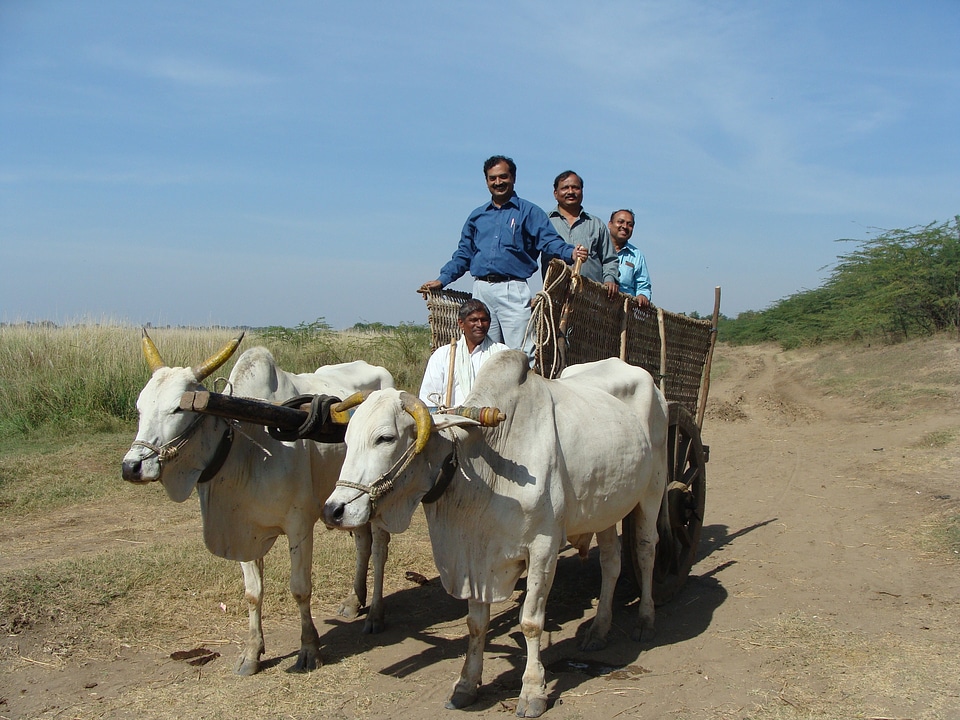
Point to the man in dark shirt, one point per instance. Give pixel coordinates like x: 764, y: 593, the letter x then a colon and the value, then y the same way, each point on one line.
x: 578, y: 227
x: 500, y: 245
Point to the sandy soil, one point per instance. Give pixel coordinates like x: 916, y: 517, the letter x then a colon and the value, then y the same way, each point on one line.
x: 819, y: 592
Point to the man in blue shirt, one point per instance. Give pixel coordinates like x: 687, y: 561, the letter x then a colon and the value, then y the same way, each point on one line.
x: 634, y: 278
x: 500, y: 245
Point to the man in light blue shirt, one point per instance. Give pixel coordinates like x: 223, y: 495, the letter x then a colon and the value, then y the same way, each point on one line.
x: 500, y: 245
x: 634, y: 278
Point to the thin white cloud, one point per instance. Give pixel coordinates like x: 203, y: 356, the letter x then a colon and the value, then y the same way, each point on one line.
x: 190, y: 70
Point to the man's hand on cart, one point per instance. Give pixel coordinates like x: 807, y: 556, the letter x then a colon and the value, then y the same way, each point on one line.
x: 430, y: 285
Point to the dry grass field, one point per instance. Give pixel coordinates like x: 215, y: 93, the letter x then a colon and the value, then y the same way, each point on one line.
x: 828, y: 584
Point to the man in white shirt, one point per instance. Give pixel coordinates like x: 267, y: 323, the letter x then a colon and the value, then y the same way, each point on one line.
x: 452, y: 368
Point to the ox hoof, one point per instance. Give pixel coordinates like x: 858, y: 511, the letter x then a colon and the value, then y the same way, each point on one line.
x: 307, y: 660
x: 247, y: 666
x: 643, y: 632
x: 592, y: 644
x: 460, y: 699
x: 349, y: 608
x: 534, y: 707
x: 372, y: 626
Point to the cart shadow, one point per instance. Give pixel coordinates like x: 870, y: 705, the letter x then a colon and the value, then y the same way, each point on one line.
x: 417, y: 613
x: 717, y: 537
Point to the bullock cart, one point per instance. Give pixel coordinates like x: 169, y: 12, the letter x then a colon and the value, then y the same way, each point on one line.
x: 575, y: 322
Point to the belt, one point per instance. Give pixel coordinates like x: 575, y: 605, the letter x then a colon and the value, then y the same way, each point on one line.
x: 493, y: 278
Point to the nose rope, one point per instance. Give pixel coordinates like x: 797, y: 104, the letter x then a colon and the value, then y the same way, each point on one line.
x: 170, y: 450
x: 383, y: 484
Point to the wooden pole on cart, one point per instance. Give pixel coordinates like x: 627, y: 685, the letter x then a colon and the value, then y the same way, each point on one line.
x: 663, y: 350
x: 705, y: 385
x: 453, y: 361
x: 623, y: 327
x: 565, y: 313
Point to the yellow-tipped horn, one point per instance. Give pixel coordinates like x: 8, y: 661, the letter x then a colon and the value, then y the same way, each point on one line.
x: 421, y: 415
x: 340, y: 412
x: 204, y: 369
x: 150, y: 352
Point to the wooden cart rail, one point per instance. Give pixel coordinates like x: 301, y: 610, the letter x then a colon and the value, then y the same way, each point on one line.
x: 675, y: 349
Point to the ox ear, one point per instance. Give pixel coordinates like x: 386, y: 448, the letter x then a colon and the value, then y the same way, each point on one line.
x: 150, y: 352
x: 213, y: 362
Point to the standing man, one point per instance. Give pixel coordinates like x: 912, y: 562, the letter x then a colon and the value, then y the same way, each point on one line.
x: 634, y: 278
x: 579, y: 227
x: 448, y: 380
x: 500, y: 245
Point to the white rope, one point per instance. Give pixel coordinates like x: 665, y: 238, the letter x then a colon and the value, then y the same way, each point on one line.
x: 542, y: 307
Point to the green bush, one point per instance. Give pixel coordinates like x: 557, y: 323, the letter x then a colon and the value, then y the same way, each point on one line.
x: 901, y: 284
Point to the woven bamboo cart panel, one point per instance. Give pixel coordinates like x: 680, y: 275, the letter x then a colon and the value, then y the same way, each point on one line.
x: 596, y: 328
x: 443, y: 306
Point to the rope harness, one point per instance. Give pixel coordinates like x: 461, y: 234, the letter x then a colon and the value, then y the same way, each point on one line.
x: 171, y: 449
x: 385, y: 483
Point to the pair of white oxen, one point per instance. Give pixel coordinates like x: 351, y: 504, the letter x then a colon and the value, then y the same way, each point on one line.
x: 572, y: 457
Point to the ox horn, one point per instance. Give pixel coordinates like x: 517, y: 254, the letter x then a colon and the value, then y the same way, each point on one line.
x: 213, y: 362
x: 421, y: 414
x: 340, y: 412
x: 150, y: 352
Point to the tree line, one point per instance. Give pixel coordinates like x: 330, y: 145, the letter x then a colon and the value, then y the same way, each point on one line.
x: 901, y: 284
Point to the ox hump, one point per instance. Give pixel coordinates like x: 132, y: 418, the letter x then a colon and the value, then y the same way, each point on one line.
x: 508, y: 368
x: 255, y: 373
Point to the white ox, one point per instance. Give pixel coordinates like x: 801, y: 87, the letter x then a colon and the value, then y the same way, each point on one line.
x: 252, y: 487
x: 574, y: 456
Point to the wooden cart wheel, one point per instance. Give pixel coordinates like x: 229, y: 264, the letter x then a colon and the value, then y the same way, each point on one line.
x: 686, y: 496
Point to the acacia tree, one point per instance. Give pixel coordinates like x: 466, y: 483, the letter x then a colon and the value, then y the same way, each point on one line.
x: 900, y: 284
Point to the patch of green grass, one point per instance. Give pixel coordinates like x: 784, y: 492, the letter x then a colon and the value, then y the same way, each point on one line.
x: 43, y: 475
x: 97, y: 590
x: 148, y: 593
x: 937, y: 439
x: 947, y: 533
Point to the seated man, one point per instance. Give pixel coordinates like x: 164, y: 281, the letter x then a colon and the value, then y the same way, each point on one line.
x: 452, y: 368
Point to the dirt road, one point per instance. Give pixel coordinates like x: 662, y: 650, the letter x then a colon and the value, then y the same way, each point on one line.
x: 821, y: 591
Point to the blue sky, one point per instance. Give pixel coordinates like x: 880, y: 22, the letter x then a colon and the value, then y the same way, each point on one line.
x: 272, y: 163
